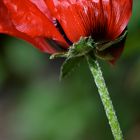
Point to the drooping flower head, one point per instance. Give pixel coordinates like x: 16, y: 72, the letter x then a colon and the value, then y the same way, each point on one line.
x: 48, y: 24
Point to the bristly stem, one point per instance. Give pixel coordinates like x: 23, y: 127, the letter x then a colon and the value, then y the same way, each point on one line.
x: 105, y: 97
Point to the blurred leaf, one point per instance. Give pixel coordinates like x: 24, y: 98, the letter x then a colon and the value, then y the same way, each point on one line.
x: 22, y: 58
x: 47, y: 112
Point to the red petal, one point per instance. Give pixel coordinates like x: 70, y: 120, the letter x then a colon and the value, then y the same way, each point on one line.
x: 7, y: 27
x: 116, y: 50
x: 29, y: 18
x: 119, y: 13
x: 68, y: 17
x: 104, y: 19
x: 40, y: 4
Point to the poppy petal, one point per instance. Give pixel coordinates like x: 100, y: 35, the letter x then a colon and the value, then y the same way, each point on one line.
x: 118, y: 14
x: 112, y: 53
x: 40, y: 4
x: 29, y: 19
x: 68, y: 17
x: 116, y: 50
x: 7, y: 27
x: 103, y: 19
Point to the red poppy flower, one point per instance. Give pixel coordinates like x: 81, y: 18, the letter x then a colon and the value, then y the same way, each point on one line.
x: 45, y: 23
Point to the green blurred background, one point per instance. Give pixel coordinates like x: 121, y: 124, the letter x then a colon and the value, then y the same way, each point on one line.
x: 35, y: 105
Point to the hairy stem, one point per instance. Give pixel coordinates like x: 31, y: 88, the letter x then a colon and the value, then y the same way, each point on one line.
x: 105, y: 97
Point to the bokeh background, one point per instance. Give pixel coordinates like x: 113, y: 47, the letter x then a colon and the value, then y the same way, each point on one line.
x: 35, y: 105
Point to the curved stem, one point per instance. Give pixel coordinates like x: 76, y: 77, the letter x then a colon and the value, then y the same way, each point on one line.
x: 105, y: 97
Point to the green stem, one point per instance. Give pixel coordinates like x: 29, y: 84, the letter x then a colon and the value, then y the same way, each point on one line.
x: 105, y: 97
